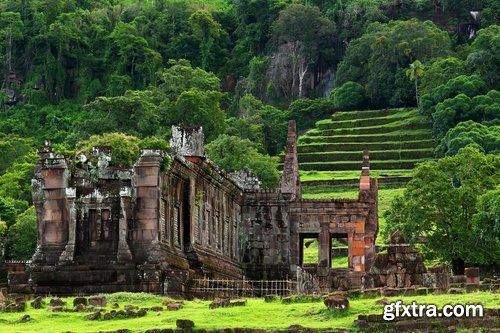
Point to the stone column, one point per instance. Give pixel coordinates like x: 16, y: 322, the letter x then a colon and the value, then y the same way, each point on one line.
x: 147, y: 189
x: 49, y: 195
x: 69, y: 251
x: 324, y: 250
x: 123, y: 254
x: 290, y: 180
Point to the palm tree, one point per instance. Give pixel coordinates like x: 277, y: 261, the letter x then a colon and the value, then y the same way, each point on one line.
x: 416, y: 71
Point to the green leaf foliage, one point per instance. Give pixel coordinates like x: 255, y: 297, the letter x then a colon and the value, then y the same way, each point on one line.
x: 470, y: 132
x: 468, y: 85
x: 134, y: 113
x: 306, y: 111
x: 15, y: 182
x: 451, y: 111
x: 262, y: 124
x: 21, y: 237
x: 368, y: 62
x: 125, y: 148
x: 349, y: 96
x: 441, y: 202
x: 487, y: 222
x: 8, y: 211
x: 485, y: 55
x: 233, y: 153
x: 440, y: 71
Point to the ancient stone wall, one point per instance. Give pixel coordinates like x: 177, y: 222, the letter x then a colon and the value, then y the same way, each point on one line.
x: 171, y: 218
x: 265, y: 241
x: 401, y: 267
x: 201, y: 217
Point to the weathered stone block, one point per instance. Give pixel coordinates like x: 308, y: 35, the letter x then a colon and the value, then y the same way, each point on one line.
x: 456, y: 291
x: 80, y: 300
x: 336, y: 302
x: 97, y: 301
x: 56, y: 301
x: 472, y: 275
x: 184, y: 323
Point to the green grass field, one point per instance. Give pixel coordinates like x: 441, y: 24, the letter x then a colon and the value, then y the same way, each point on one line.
x: 256, y: 314
x: 351, y: 174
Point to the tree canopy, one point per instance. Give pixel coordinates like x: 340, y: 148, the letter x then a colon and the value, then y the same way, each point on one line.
x: 232, y: 154
x: 449, y: 202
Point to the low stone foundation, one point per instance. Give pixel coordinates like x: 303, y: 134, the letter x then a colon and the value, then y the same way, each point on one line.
x: 74, y: 279
x: 376, y: 323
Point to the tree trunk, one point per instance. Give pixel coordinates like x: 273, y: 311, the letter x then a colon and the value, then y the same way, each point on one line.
x: 458, y: 266
x: 9, y: 54
x: 302, y: 73
x: 416, y: 94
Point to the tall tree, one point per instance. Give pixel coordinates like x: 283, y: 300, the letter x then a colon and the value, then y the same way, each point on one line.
x: 378, y: 59
x: 206, y: 30
x: 415, y: 72
x: 11, y: 27
x: 304, y: 47
x: 441, y: 202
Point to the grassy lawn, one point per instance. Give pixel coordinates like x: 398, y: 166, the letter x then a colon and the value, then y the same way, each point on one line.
x: 329, y: 192
x: 369, y: 113
x: 351, y: 174
x: 257, y: 314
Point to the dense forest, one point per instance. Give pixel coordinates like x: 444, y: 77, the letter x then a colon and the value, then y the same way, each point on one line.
x: 122, y: 72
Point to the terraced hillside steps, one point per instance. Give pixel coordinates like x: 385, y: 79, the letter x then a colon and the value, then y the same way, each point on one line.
x: 397, y: 140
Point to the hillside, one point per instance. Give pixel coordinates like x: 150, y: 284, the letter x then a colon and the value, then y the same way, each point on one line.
x: 330, y: 155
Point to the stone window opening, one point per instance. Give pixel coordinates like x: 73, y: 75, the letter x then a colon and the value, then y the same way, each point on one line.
x: 309, y: 250
x: 339, y: 254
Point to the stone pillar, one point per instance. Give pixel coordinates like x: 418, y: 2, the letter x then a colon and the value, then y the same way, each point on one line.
x: 290, y: 181
x: 49, y: 194
x: 472, y: 276
x: 350, y: 237
x: 69, y: 250
x: 324, y: 250
x: 368, y: 193
x: 193, y: 214
x: 364, y: 181
x: 147, y: 186
x: 123, y: 254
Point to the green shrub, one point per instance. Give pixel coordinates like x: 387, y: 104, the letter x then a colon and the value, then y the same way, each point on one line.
x: 21, y: 237
x: 349, y: 96
x: 125, y: 148
x: 306, y: 111
x: 129, y: 297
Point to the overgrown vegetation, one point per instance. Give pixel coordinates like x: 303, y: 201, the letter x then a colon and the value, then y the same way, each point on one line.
x: 121, y: 73
x: 450, y: 202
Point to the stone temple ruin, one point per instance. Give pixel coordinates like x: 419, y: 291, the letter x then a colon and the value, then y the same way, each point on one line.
x: 173, y: 218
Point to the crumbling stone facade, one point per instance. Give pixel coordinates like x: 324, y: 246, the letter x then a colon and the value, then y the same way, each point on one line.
x: 401, y: 267
x: 172, y: 218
